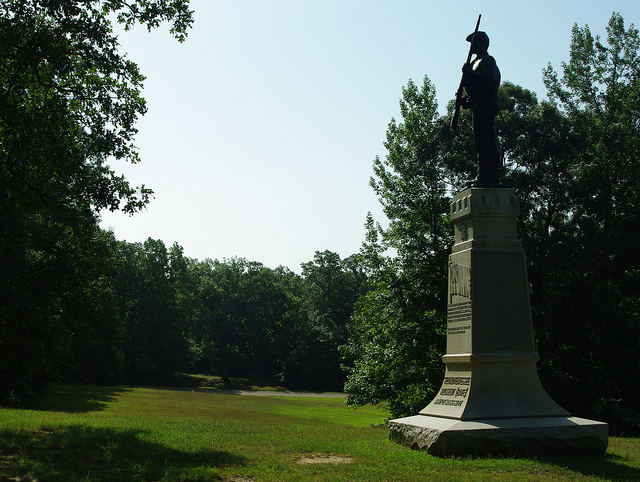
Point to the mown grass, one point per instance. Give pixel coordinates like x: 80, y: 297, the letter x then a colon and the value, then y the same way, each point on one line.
x: 95, y: 433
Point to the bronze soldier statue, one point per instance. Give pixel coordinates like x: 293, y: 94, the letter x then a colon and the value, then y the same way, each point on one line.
x: 481, y: 79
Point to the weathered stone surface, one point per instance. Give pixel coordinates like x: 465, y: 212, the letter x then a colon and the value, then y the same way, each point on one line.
x: 507, y: 436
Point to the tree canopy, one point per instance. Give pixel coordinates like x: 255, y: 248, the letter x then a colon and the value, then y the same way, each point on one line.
x: 69, y: 100
x: 573, y: 161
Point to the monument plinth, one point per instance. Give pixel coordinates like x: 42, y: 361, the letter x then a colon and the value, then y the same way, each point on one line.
x: 491, y: 399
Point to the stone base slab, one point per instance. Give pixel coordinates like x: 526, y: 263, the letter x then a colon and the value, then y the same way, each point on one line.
x: 501, y: 436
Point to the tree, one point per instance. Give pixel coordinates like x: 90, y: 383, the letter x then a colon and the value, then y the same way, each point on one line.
x: 234, y: 318
x: 332, y: 286
x: 91, y: 337
x: 592, y: 366
x: 70, y: 100
x: 272, y: 324
x: 185, y: 276
x: 68, y: 104
x: 573, y: 162
x: 155, y: 345
x: 397, y: 332
x: 246, y: 315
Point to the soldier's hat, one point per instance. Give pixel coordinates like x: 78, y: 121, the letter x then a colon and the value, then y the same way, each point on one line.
x: 481, y: 38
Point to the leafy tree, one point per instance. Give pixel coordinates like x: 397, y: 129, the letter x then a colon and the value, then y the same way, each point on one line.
x: 91, y: 339
x: 572, y: 160
x: 57, y: 313
x: 252, y: 321
x: 185, y: 276
x: 234, y: 318
x: 154, y: 346
x: 331, y: 286
x: 294, y: 333
x: 68, y: 103
x: 245, y: 311
x: 593, y: 366
x: 397, y: 332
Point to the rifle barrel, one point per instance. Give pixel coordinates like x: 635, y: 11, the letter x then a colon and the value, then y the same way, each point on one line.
x: 456, y: 111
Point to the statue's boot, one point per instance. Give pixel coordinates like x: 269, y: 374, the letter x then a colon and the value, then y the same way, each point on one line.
x: 488, y: 173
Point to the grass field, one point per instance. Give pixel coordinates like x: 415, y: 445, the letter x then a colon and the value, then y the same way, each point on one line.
x: 96, y: 433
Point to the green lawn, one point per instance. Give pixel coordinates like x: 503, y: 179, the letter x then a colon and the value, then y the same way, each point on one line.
x: 95, y: 433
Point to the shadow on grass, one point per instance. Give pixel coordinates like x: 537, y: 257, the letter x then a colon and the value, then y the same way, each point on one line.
x: 77, y: 398
x: 190, y: 380
x: 609, y: 466
x: 78, y: 452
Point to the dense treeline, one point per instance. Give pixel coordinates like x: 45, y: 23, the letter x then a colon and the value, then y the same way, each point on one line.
x: 573, y: 160
x: 233, y: 318
x: 158, y: 313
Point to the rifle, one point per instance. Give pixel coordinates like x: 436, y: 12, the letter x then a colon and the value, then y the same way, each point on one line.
x: 460, y: 91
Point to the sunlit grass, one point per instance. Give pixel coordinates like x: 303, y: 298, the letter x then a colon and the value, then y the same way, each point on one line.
x: 94, y: 433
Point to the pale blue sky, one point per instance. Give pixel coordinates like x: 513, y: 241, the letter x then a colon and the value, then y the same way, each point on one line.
x: 262, y: 126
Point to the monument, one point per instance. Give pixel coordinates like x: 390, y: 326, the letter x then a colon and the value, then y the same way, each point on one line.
x: 491, y: 400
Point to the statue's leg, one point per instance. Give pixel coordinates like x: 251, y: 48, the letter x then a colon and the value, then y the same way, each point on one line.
x: 493, y: 153
x: 486, y: 146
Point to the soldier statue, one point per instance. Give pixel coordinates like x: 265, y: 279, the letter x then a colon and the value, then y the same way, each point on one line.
x: 480, y: 80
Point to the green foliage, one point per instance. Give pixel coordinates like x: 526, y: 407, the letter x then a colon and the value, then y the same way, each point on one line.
x: 332, y: 287
x: 154, y: 345
x: 57, y: 315
x: 68, y: 103
x: 233, y: 318
x: 594, y: 368
x: 91, y: 333
x: 397, y: 332
x: 246, y: 310
x: 573, y: 161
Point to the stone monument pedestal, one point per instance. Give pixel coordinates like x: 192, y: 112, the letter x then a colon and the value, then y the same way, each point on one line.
x: 491, y: 400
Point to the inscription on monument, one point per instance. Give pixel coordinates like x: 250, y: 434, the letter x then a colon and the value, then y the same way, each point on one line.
x: 458, y: 318
x: 455, y: 389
